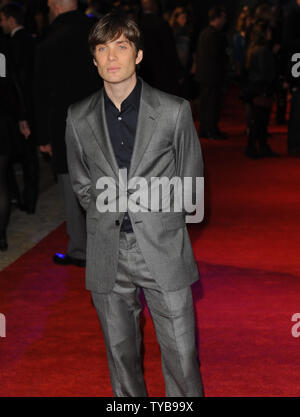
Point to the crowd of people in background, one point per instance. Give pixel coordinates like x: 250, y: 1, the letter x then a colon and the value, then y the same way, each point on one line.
x: 48, y: 67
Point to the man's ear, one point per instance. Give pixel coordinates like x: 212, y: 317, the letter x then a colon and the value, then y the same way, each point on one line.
x: 95, y: 62
x: 139, y: 56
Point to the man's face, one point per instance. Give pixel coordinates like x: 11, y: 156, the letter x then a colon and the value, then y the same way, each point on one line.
x: 116, y: 60
x: 182, y: 19
x: 5, y: 23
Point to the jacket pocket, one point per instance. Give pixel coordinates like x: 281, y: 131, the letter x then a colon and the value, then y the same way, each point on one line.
x: 160, y: 148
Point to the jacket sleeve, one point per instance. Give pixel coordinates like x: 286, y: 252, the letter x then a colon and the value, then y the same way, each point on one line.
x: 188, y: 156
x: 78, y: 168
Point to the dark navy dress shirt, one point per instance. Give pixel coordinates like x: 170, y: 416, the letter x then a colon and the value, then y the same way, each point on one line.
x: 122, y: 128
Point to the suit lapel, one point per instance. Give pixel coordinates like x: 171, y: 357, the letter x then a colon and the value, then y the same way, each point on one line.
x: 147, y: 121
x: 97, y: 122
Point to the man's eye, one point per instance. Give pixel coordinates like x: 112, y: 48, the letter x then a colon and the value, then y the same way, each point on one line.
x: 122, y: 47
x: 101, y: 48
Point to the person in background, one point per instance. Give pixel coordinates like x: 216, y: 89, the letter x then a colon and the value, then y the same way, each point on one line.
x: 64, y: 74
x: 167, y: 15
x: 40, y: 23
x: 239, y: 42
x: 281, y: 88
x: 181, y: 30
x: 11, y: 110
x: 21, y: 57
x: 264, y: 12
x: 261, y: 86
x: 6, y: 128
x: 272, y: 15
x: 160, y: 66
x: 36, y: 17
x: 210, y: 69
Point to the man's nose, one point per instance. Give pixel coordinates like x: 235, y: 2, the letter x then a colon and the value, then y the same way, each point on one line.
x: 111, y: 55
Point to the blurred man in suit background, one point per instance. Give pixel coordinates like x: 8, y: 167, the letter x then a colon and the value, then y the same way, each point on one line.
x: 20, y: 54
x: 64, y: 74
x: 210, y: 72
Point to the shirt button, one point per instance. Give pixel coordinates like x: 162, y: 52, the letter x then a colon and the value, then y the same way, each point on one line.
x: 122, y: 143
x: 119, y: 118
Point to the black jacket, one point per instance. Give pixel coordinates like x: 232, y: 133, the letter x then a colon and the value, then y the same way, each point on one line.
x: 261, y: 74
x: 21, y: 49
x: 211, y: 57
x: 160, y: 66
x: 11, y: 103
x: 64, y: 73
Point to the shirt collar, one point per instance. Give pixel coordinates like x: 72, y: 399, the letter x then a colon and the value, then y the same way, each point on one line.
x: 16, y: 30
x: 132, y: 100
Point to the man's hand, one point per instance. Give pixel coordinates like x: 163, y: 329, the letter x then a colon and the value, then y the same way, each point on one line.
x: 46, y: 149
x: 24, y: 128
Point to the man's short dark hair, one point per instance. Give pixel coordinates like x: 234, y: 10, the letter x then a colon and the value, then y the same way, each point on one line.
x: 215, y: 13
x: 14, y: 10
x: 111, y: 26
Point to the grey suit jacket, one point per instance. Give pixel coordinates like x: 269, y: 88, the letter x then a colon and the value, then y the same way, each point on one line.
x: 166, y: 144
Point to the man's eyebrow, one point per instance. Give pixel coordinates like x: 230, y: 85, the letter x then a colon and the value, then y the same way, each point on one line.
x: 118, y: 42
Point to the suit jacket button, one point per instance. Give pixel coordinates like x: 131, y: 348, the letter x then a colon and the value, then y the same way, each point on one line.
x: 117, y: 222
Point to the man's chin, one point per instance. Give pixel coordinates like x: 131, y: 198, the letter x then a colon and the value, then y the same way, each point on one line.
x: 116, y: 79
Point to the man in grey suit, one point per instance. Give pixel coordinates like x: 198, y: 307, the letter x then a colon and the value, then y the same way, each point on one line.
x: 131, y: 126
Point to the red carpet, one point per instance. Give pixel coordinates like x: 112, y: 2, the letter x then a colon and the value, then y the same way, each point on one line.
x: 248, y: 255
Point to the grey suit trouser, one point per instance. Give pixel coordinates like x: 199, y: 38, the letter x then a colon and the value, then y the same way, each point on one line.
x: 75, y: 219
x: 173, y: 317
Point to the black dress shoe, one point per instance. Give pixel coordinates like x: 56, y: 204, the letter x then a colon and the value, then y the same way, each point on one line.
x: 61, y: 259
x: 3, y: 242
